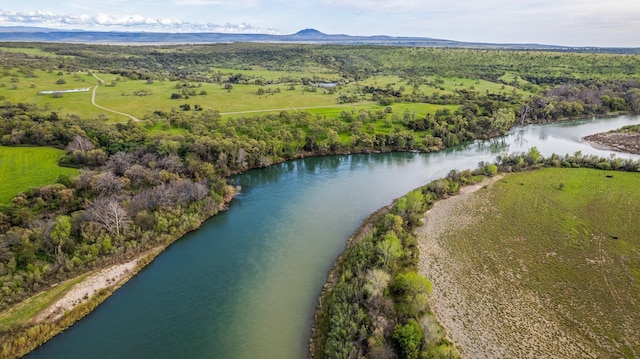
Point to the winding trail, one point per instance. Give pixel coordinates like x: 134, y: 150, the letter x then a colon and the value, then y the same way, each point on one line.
x: 93, y: 101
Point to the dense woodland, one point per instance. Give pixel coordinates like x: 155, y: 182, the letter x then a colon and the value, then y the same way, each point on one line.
x: 138, y: 189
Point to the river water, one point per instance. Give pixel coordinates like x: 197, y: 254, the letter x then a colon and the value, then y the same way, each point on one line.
x: 245, y: 284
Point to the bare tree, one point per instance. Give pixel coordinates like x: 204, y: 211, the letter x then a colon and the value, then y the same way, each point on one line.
x: 120, y: 162
x: 83, y: 180
x: 80, y: 143
x: 138, y: 174
x: 169, y: 194
x: 109, y: 214
x: 171, y: 163
x: 107, y: 184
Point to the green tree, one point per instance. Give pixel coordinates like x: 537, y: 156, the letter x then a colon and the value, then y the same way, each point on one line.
x: 390, y: 249
x: 409, y: 339
x: 502, y: 119
x: 411, y: 289
x: 60, y: 234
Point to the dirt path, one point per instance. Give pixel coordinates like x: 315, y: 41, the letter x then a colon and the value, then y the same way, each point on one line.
x: 93, y: 102
x: 485, y: 317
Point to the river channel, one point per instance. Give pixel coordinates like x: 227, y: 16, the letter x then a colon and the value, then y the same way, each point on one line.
x: 245, y: 284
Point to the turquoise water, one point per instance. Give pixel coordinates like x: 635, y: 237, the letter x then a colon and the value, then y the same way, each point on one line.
x: 245, y: 284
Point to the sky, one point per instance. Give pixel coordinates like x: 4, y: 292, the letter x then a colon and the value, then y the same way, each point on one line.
x: 610, y: 23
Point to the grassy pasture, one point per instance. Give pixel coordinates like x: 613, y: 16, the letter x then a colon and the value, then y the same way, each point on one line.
x: 24, y: 167
x: 26, y: 89
x: 273, y: 75
x: 30, y: 51
x: 444, y: 85
x: 137, y: 97
x: 569, y: 238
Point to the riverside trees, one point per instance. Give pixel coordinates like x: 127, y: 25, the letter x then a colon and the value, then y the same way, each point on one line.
x: 139, y: 198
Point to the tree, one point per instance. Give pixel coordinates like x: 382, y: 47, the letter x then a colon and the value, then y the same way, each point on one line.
x: 411, y: 289
x: 120, y: 162
x: 80, y: 143
x: 502, y: 119
x: 59, y: 235
x: 109, y: 214
x: 377, y: 281
x: 390, y: 248
x: 107, y: 184
x: 409, y: 339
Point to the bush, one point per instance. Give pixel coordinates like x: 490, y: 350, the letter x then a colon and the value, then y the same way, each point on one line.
x: 409, y: 339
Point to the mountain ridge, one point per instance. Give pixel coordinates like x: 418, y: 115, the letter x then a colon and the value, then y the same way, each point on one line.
x: 308, y: 35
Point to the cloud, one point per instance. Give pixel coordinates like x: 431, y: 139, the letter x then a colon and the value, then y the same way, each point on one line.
x: 403, y: 6
x: 234, y: 3
x: 130, y: 22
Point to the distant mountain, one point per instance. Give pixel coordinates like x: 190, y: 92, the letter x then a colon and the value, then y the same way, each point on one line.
x: 309, y: 33
x: 34, y: 34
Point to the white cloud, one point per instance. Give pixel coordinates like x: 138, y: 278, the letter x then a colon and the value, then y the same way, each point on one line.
x: 400, y: 6
x: 233, y: 3
x: 125, y: 22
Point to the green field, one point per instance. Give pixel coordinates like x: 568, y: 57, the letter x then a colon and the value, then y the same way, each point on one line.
x: 567, y: 243
x: 30, y: 51
x: 24, y: 167
x: 274, y: 75
x: 140, y: 98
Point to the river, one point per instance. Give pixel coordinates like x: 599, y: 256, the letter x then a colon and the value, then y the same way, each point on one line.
x: 244, y: 285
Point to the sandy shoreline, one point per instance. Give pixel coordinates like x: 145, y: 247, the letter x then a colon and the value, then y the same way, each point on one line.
x: 106, y: 278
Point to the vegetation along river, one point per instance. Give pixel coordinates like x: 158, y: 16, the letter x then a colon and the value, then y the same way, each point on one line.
x: 245, y: 284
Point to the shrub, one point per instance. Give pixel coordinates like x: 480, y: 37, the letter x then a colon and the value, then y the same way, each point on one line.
x: 409, y: 339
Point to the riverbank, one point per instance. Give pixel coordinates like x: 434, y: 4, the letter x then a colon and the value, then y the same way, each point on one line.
x: 506, y: 286
x: 448, y: 299
x: 484, y: 316
x: 627, y: 142
x: 108, y: 278
x: 82, y: 297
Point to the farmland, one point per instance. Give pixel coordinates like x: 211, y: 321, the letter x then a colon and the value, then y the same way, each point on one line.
x: 24, y: 167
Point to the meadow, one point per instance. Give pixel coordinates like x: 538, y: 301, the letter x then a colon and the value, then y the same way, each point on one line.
x: 259, y: 91
x: 554, y: 255
x: 24, y: 167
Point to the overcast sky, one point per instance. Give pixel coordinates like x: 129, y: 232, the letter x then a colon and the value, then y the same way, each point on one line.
x: 558, y: 22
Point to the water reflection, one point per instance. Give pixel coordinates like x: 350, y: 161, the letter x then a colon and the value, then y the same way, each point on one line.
x: 494, y: 145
